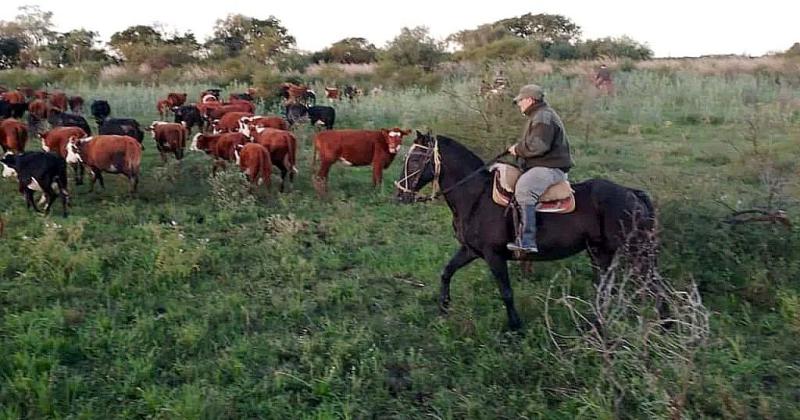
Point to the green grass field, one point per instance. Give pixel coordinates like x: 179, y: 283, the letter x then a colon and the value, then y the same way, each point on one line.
x: 194, y: 299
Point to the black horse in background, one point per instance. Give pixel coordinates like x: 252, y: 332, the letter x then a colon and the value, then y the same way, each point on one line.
x: 604, y: 213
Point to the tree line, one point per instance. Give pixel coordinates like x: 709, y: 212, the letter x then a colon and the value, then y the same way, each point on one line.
x: 30, y: 41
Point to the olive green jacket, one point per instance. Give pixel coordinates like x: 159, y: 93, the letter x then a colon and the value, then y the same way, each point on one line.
x: 544, y: 141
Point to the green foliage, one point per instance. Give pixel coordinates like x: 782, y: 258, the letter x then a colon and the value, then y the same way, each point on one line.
x: 259, y: 39
x: 348, y: 51
x: 414, y: 47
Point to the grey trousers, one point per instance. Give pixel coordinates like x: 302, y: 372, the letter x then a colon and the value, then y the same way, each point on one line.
x: 534, y: 182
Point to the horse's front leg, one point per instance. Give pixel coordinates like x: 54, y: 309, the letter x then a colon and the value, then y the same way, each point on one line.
x: 461, y: 258
x: 499, y: 267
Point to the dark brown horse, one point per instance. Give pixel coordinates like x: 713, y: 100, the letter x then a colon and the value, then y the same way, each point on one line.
x: 604, y: 213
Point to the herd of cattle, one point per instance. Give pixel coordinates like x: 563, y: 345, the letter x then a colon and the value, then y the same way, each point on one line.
x: 228, y: 131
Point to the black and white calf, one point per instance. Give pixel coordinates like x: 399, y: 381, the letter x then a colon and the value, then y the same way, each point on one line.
x: 38, y: 171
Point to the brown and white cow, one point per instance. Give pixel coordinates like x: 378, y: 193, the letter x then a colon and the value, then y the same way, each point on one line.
x: 254, y: 160
x: 248, y: 125
x: 13, y: 136
x: 219, y: 146
x: 13, y: 97
x: 55, y: 141
x: 356, y: 148
x: 230, y: 122
x: 162, y: 106
x: 107, y: 153
x: 58, y: 100
x: 282, y: 146
x: 332, y: 93
x: 169, y: 138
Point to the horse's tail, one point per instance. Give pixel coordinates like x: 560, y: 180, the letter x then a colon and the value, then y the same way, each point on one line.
x: 647, y: 215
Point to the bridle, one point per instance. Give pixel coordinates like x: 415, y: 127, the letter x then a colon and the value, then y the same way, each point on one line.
x: 432, y: 153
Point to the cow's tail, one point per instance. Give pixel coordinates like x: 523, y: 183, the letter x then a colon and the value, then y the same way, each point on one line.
x: 22, y: 137
x: 646, y: 215
x: 133, y: 159
x: 314, y: 155
x: 265, y: 168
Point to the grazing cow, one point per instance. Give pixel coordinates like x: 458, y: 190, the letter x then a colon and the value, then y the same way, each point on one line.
x: 282, y: 146
x: 323, y: 115
x: 13, y: 136
x: 55, y: 141
x: 39, y: 171
x: 220, y: 146
x: 100, y: 110
x: 230, y: 122
x: 218, y: 112
x: 122, y: 127
x: 248, y: 124
x: 247, y: 96
x: 176, y: 99
x: 38, y: 111
x: 351, y: 92
x: 56, y: 118
x: 254, y: 160
x: 209, y: 95
x: 332, y: 94
x: 356, y: 148
x: 75, y: 104
x: 58, y: 100
x: 189, y: 116
x: 169, y: 138
x: 15, y: 110
x: 112, y: 154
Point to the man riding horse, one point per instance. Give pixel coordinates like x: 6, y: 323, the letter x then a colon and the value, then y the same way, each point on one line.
x: 543, y: 153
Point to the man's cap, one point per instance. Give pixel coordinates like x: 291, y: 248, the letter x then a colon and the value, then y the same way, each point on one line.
x: 530, y: 91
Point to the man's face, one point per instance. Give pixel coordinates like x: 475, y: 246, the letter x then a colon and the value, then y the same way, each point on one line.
x: 524, y: 103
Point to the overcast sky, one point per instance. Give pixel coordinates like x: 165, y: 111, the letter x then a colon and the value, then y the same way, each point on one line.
x: 671, y: 28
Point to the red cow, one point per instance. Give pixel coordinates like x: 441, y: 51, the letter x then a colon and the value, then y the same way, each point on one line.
x: 162, y: 106
x: 254, y: 160
x: 282, y: 146
x: 55, y: 141
x: 76, y: 104
x: 59, y: 101
x: 230, y: 122
x: 218, y: 112
x: 13, y: 135
x: 169, y: 138
x: 13, y: 97
x: 40, y: 94
x: 27, y: 91
x: 38, y: 111
x: 356, y: 148
x: 107, y: 153
x: 332, y: 93
x: 220, y: 146
x: 176, y: 99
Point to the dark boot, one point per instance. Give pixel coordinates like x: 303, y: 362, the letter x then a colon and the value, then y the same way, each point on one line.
x: 526, y: 239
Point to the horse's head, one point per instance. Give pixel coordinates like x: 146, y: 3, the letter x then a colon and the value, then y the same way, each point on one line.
x: 420, y: 168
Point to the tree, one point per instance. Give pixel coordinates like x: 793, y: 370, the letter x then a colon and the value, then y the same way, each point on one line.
x: 145, y: 44
x: 794, y: 50
x: 542, y: 27
x: 261, y: 39
x: 32, y: 29
x: 414, y: 47
x: 9, y: 52
x: 75, y: 47
x: 349, y: 51
x: 622, y: 47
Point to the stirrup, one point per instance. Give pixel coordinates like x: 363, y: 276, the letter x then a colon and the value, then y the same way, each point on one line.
x: 513, y: 246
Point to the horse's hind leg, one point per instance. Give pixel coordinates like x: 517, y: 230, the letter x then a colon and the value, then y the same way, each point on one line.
x: 499, y: 268
x: 461, y: 258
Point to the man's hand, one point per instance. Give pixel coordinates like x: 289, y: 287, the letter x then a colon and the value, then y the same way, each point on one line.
x: 512, y: 150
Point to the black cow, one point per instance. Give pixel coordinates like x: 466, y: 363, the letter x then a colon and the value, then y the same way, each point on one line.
x: 56, y: 118
x: 100, y: 110
x: 189, y: 116
x: 123, y: 127
x: 38, y: 171
x: 9, y: 110
x: 317, y: 114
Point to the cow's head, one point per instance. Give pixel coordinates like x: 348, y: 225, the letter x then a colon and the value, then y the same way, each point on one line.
x: 245, y: 124
x: 9, y: 162
x: 394, y: 138
x: 74, y: 150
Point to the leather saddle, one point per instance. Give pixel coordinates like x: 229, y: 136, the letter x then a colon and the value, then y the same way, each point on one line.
x: 558, y: 198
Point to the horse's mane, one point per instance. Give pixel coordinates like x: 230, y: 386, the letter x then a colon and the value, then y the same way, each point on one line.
x: 462, y: 153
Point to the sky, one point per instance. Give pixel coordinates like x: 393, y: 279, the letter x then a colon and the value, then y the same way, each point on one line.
x: 674, y: 28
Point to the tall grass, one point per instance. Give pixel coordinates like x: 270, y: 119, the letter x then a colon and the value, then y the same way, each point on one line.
x: 194, y: 300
